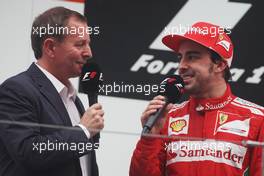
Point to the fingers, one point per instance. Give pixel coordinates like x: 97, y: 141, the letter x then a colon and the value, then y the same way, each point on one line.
x: 153, y: 106
x: 158, y: 100
x: 96, y: 109
x: 159, y: 97
x: 97, y: 112
x: 156, y: 103
x: 146, y: 114
x: 96, y: 106
x: 169, y: 107
x: 98, y: 122
x: 93, y: 119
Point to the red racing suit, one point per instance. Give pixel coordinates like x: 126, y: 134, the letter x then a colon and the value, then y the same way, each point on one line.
x: 218, y: 126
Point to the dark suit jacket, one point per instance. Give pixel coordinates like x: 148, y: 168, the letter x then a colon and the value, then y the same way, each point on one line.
x: 31, y: 97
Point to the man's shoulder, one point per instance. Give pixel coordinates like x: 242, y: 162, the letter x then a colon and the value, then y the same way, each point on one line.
x: 23, y: 78
x: 21, y: 84
x: 242, y: 101
x: 19, y: 79
x: 247, y: 105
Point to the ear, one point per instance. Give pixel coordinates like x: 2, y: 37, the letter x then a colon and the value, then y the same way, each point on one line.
x: 49, y: 46
x: 220, y: 66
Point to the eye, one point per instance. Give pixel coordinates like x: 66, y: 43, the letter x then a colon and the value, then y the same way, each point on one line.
x: 81, y: 44
x: 192, y: 57
x: 179, y: 56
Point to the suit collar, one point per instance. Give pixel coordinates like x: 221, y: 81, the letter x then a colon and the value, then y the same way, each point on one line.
x: 64, y: 91
x: 49, y: 91
x: 55, y: 82
x: 208, y: 104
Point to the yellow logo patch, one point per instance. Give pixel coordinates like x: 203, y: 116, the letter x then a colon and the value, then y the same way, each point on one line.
x: 221, y: 37
x: 222, y: 118
x: 178, y: 125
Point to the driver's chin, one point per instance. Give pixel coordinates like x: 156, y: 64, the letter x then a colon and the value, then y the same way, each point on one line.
x: 189, y: 88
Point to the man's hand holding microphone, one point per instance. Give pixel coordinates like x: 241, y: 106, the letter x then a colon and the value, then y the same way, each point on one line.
x: 154, y: 105
x: 93, y: 119
x: 90, y: 80
x: 170, y: 92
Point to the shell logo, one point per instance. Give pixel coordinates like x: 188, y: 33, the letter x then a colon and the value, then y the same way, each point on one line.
x: 178, y: 125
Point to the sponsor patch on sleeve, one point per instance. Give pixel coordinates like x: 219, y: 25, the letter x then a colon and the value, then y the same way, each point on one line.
x: 247, y: 103
x: 252, y: 109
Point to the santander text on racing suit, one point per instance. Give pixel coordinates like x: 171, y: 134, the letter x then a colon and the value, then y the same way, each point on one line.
x: 220, y: 125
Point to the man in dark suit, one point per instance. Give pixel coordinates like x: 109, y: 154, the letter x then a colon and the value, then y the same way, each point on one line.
x: 44, y: 95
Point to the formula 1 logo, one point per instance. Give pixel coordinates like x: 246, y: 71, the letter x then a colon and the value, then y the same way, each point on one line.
x: 183, y: 20
x: 91, y: 75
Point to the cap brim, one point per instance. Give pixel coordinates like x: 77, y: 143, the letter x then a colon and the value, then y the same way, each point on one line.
x: 173, y: 41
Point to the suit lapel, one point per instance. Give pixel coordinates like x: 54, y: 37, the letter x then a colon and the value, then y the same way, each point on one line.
x: 49, y: 92
x: 79, y: 106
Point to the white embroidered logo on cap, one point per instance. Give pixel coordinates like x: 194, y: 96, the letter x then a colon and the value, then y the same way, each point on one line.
x: 225, y: 44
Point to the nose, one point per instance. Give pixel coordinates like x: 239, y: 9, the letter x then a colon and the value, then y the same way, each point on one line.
x: 183, y: 65
x: 87, y: 52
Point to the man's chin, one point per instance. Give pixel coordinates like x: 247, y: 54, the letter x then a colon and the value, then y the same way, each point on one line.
x: 78, y: 74
x: 188, y: 88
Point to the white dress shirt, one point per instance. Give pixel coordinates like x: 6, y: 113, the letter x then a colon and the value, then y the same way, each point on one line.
x: 68, y: 96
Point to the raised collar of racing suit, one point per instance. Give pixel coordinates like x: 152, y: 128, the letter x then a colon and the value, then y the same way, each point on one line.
x: 207, y: 104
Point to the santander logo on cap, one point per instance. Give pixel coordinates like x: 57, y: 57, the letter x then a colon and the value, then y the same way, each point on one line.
x: 206, y: 34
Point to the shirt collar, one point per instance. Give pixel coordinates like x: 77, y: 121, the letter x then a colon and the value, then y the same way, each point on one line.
x: 207, y: 104
x: 69, y: 91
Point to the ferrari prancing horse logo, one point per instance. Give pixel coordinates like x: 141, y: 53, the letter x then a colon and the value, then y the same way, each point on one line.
x: 222, y: 118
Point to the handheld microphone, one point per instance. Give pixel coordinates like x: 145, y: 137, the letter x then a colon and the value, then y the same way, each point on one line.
x: 172, y: 89
x: 90, y: 79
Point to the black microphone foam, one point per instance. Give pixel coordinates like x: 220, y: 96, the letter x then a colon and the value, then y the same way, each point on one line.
x: 91, y: 77
x: 172, y: 88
